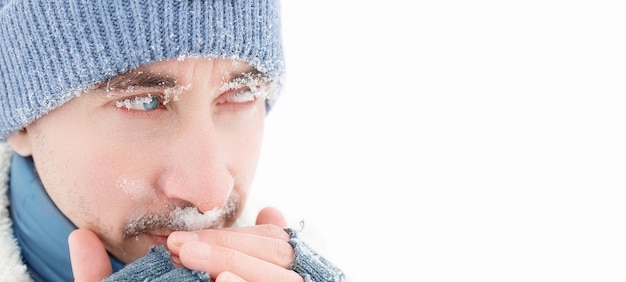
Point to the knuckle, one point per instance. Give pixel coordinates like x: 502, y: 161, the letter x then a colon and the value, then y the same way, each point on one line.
x: 228, y: 258
x: 283, y: 253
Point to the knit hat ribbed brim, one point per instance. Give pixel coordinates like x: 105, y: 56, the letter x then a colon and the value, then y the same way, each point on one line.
x: 50, y: 50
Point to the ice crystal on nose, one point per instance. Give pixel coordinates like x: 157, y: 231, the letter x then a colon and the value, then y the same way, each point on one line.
x: 136, y: 189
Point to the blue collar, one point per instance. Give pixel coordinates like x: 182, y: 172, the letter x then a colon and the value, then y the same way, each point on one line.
x: 39, y: 226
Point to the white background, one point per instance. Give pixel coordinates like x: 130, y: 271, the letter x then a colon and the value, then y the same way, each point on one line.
x: 454, y: 140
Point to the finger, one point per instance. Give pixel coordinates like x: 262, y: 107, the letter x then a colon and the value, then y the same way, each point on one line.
x: 177, y: 238
x: 89, y: 258
x: 270, y: 215
x: 228, y: 277
x: 277, y: 251
x: 265, y: 230
x: 215, y: 259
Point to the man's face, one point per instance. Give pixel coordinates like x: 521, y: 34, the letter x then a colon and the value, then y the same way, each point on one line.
x: 141, y: 154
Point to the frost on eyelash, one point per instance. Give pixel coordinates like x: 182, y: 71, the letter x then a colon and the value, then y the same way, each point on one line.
x: 134, y: 101
x: 169, y: 94
x: 259, y: 84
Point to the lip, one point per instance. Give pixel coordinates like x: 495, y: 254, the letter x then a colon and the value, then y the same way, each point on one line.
x: 158, y: 239
x: 161, y: 232
x: 217, y: 225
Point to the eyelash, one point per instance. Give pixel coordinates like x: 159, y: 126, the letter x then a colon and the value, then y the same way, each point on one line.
x: 234, y: 97
x: 147, y: 100
x: 239, y: 96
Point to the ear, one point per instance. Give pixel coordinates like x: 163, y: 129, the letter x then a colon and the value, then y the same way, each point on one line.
x: 20, y: 142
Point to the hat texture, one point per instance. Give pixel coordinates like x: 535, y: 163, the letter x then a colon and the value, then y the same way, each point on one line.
x: 51, y: 50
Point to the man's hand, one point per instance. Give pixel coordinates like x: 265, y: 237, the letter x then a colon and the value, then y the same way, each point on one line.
x: 90, y: 261
x: 254, y: 253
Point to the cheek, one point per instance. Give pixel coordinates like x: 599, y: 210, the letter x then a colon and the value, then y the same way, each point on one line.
x: 244, y: 141
x: 245, y: 154
x: 79, y: 179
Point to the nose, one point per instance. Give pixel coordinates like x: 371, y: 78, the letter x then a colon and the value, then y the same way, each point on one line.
x: 195, y: 170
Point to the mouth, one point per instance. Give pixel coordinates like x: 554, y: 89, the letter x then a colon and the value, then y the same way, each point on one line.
x: 158, y: 239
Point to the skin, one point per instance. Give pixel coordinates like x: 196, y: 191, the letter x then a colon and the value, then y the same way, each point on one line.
x: 105, y: 164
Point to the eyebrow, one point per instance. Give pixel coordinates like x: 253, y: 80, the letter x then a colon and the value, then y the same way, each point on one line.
x: 136, y: 79
x: 246, y: 74
x: 147, y: 79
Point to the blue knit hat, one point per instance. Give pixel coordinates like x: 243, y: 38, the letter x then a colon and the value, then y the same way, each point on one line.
x: 50, y: 50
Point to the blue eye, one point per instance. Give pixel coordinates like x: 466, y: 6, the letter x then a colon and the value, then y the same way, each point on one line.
x: 152, y: 105
x: 140, y: 103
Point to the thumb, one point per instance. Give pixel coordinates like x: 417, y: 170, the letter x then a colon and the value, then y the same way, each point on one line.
x: 90, y: 261
x: 270, y: 215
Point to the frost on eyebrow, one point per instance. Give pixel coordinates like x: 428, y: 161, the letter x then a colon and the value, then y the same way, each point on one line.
x: 258, y: 83
x: 133, y: 80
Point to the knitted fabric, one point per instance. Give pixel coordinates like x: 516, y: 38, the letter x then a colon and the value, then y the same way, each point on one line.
x: 51, y: 50
x: 157, y: 266
x: 310, y: 265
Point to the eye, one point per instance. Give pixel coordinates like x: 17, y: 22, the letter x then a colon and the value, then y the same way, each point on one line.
x: 246, y: 95
x: 246, y: 88
x: 140, y: 103
x: 241, y: 96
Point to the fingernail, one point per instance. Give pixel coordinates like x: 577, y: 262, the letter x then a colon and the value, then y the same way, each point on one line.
x: 182, y: 237
x: 177, y: 262
x: 198, y: 250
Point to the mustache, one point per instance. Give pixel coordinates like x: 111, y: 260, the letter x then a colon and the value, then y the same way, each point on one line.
x: 182, y: 219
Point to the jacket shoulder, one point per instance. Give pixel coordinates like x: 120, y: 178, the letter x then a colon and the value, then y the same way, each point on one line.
x: 11, y: 266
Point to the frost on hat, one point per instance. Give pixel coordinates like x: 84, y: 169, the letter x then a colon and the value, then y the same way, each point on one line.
x: 50, y: 50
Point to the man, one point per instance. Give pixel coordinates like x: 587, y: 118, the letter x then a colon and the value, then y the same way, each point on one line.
x: 134, y: 130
